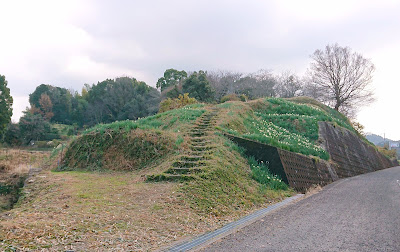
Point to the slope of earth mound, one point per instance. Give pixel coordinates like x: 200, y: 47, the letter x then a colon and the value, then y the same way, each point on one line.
x: 289, y: 124
x: 141, y: 185
x: 99, y: 193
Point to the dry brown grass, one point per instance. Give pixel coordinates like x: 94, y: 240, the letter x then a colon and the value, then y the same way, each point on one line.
x: 14, y: 166
x: 118, y: 211
x: 20, y: 161
x: 313, y: 190
x: 100, y: 211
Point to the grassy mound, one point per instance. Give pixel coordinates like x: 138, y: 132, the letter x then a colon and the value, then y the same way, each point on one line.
x: 118, y: 150
x: 130, y: 145
x: 288, y: 124
x: 230, y: 183
x: 174, y: 120
x: 119, y: 209
x: 227, y: 179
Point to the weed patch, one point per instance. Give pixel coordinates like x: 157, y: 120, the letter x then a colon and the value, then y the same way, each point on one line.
x: 117, y: 150
x: 262, y: 175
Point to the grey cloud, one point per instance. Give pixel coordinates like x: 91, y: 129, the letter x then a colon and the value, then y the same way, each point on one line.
x: 151, y: 36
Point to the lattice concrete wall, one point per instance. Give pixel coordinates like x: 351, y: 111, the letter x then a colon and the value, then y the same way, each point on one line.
x: 299, y: 171
x: 350, y: 156
x: 302, y: 172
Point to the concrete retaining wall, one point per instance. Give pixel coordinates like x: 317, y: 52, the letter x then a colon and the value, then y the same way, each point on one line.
x: 350, y: 156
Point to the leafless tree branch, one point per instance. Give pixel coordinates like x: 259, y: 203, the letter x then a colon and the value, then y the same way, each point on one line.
x: 341, y: 78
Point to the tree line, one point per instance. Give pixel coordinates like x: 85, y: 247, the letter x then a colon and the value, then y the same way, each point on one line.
x: 337, y: 77
x: 122, y: 98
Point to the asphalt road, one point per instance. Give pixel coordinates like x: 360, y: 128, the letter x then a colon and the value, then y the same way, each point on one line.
x: 355, y: 214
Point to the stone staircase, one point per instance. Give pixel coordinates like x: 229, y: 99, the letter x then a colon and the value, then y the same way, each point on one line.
x: 200, y: 148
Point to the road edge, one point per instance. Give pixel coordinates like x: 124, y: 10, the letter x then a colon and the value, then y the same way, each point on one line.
x: 208, y: 238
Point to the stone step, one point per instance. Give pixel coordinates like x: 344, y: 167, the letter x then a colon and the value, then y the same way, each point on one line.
x: 201, y: 148
x: 202, y: 138
x: 183, y: 170
x: 169, y: 177
x: 193, y: 130
x: 199, y: 140
x: 204, y: 143
x: 188, y: 163
x: 192, y: 158
x: 201, y: 128
x: 198, y: 134
x: 201, y: 153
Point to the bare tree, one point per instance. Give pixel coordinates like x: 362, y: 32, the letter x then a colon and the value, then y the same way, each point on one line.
x: 289, y: 85
x: 263, y: 84
x: 342, y: 78
x: 223, y: 82
x: 254, y: 85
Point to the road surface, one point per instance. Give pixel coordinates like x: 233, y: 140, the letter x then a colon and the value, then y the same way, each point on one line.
x: 361, y: 213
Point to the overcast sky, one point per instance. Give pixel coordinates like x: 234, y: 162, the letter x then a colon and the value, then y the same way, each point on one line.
x: 70, y: 43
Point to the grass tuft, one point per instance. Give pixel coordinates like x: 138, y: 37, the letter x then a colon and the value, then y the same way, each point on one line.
x: 262, y: 175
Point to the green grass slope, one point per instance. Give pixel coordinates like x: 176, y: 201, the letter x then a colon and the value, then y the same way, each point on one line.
x: 131, y: 145
x: 290, y: 124
x: 99, y: 196
x: 227, y: 182
x: 226, y: 177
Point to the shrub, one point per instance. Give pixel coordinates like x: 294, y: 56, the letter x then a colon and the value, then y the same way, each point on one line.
x: 117, y: 150
x: 230, y: 97
x: 388, y: 153
x: 243, y: 98
x: 181, y: 101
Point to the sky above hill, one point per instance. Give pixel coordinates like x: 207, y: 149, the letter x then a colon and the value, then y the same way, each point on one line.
x: 70, y: 43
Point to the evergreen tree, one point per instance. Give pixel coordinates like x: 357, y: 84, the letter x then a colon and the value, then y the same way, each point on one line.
x: 6, y: 102
x: 198, y: 87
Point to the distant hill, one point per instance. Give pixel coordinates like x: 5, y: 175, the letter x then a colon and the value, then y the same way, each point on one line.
x: 380, y: 141
x: 375, y: 139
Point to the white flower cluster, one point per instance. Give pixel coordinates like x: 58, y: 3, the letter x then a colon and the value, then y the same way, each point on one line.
x: 283, y: 136
x: 283, y: 115
x: 269, y: 177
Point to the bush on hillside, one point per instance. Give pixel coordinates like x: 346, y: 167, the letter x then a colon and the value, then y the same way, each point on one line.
x: 234, y: 97
x: 179, y: 102
x: 117, y: 150
x: 229, y: 97
x: 388, y: 153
